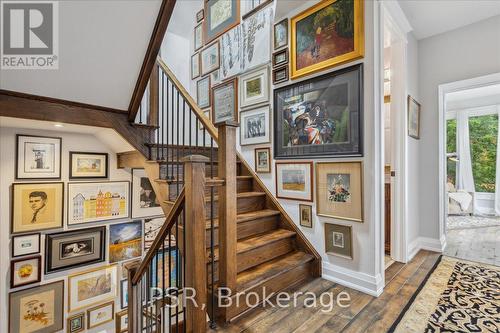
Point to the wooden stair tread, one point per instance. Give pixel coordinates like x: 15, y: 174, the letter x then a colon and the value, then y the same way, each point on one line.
x: 244, y: 217
x: 239, y: 195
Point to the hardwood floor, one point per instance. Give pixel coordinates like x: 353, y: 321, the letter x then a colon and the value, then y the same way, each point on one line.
x: 474, y: 244
x: 364, y: 314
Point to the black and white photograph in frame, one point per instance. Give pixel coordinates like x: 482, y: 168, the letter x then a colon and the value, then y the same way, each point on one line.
x: 38, y: 157
x: 144, y: 201
x: 255, y: 126
x: 254, y: 88
x: 23, y: 245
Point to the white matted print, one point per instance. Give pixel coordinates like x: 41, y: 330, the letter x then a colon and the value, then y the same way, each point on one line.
x: 231, y: 53
x: 25, y: 244
x: 256, y: 31
x: 144, y: 200
x: 100, y: 314
x: 255, y: 126
x: 254, y: 88
x: 38, y: 157
x: 294, y: 180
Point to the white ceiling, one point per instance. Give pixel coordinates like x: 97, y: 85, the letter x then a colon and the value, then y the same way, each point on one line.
x: 432, y: 17
x: 475, y: 97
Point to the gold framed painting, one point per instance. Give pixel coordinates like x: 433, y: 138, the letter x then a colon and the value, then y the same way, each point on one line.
x: 339, y: 190
x: 328, y: 34
x: 121, y: 321
x: 37, y: 206
x: 76, y: 323
x: 338, y: 240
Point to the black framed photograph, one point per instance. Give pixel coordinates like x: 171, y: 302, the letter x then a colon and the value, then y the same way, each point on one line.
x: 280, y: 74
x: 123, y: 294
x: 75, y: 248
x: 305, y: 215
x: 24, y: 245
x: 38, y: 157
x: 76, y: 323
x: 280, y: 58
x: 84, y: 165
x: 322, y: 116
x: 25, y: 271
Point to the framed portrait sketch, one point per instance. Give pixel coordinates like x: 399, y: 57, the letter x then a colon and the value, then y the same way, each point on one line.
x: 263, y: 160
x: 255, y: 126
x: 338, y: 240
x: 280, y: 74
x: 125, y: 241
x: 320, y: 116
x: 37, y: 206
x: 144, y: 201
x: 76, y: 323
x: 305, y: 215
x: 92, y: 202
x: 209, y: 58
x: 281, y: 34
x: 256, y: 35
x: 23, y: 245
x: 294, y: 180
x: 203, y: 92
x: 92, y: 287
x: 39, y: 309
x: 195, y: 66
x: 198, y: 37
x: 38, y: 157
x: 328, y: 34
x: 280, y: 58
x: 74, y: 248
x: 25, y: 271
x: 339, y: 190
x: 88, y: 165
x: 231, y: 46
x: 100, y: 314
x: 254, y: 88
x: 225, y: 101
x: 220, y: 16
x: 413, y: 118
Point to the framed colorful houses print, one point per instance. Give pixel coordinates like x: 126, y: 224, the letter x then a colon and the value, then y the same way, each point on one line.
x: 38, y: 157
x: 88, y: 165
x: 92, y: 202
x: 220, y: 16
x: 320, y: 116
x: 144, y: 200
x: 328, y: 34
x: 125, y: 241
x: 294, y: 180
x: 25, y: 271
x: 23, y: 245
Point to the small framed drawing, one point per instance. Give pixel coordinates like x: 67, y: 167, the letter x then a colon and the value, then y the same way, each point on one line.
x: 200, y: 15
x: 210, y: 58
x: 23, y: 245
x: 339, y: 190
x: 121, y: 321
x: 294, y: 180
x: 37, y: 206
x: 144, y: 200
x: 203, y: 92
x: 305, y: 215
x: 74, y: 248
x: 263, y: 160
x: 100, y: 314
x: 195, y: 66
x: 280, y: 58
x: 28, y: 305
x: 25, y: 271
x: 255, y: 126
x: 254, y: 88
x: 38, y: 157
x: 76, y: 323
x: 125, y: 241
x: 198, y: 37
x: 281, y: 34
x: 338, y: 240
x: 225, y: 101
x: 88, y: 165
x: 280, y: 74
x: 413, y: 118
x: 123, y: 294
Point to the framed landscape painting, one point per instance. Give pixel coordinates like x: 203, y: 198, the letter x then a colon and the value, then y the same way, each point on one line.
x: 328, y: 34
x: 144, y: 200
x: 88, y: 165
x: 220, y: 16
x: 92, y: 287
x: 254, y: 88
x: 38, y: 157
x: 25, y: 271
x: 294, y: 180
x: 255, y: 126
x: 225, y: 101
x: 320, y: 116
x: 125, y: 241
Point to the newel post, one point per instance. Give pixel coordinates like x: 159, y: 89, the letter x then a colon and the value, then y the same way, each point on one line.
x: 196, y: 255
x: 134, y: 308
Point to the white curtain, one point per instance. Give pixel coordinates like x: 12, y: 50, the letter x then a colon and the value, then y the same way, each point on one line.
x: 497, y: 172
x: 465, y: 179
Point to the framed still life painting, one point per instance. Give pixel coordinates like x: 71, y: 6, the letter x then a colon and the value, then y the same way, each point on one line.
x: 76, y: 323
x: 25, y: 271
x: 225, y: 101
x: 294, y: 180
x: 255, y: 126
x: 38, y: 309
x: 320, y: 116
x: 413, y: 118
x: 38, y: 157
x: 144, y: 201
x: 328, y: 34
x: 220, y: 16
x: 23, y: 245
x: 338, y: 240
x: 254, y: 88
x: 263, y: 160
x: 125, y: 241
x: 339, y: 190
x: 88, y: 165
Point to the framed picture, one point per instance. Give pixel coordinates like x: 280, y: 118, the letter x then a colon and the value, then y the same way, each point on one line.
x: 198, y: 37
x: 38, y: 157
x: 195, y: 66
x: 170, y: 275
x: 121, y: 321
x: 338, y: 240
x: 413, y: 118
x: 200, y: 15
x: 100, y: 314
x: 305, y: 215
x: 294, y: 180
x: 207, y: 114
x: 215, y: 77
x: 92, y: 287
x: 281, y: 34
x: 210, y: 58
x: 255, y: 126
x: 37, y: 206
x: 256, y: 36
x: 280, y: 58
x: 254, y: 88
x: 76, y: 323
x: 321, y: 116
x: 263, y: 160
x: 39, y: 309
x: 144, y: 200
x: 92, y: 202
x: 280, y: 74
x: 151, y: 229
x: 220, y: 16
x: 252, y: 6
x: 225, y: 101
x: 231, y: 46
x: 123, y: 294
x: 88, y: 165
x: 328, y: 34
x: 339, y: 187
x: 203, y: 92
x: 25, y: 271
x: 74, y: 248
x: 125, y: 241
x: 23, y: 245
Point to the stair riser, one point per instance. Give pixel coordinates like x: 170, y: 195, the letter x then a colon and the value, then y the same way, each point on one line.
x: 244, y: 205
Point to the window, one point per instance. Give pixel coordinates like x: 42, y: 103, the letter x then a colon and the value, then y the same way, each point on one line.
x: 451, y: 148
x: 483, y: 132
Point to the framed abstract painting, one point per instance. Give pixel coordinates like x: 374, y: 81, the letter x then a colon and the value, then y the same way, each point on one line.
x: 38, y: 157
x: 294, y: 180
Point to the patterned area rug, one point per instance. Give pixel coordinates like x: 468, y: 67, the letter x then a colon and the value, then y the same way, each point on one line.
x: 466, y: 222
x: 456, y: 296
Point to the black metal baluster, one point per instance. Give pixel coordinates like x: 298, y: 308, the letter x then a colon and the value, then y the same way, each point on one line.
x: 178, y: 150
x: 183, y: 134
x: 183, y: 263
x: 140, y: 113
x: 169, y: 278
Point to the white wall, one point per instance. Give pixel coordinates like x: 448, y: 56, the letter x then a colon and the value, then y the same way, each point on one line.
x: 176, y: 51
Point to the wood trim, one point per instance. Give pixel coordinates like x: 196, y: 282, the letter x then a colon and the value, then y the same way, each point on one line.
x: 166, y: 9
x: 154, y: 87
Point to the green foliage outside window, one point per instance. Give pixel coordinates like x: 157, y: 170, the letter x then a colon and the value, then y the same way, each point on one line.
x: 451, y: 147
x: 483, y: 132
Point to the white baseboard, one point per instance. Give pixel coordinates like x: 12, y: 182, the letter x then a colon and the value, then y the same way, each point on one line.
x: 368, y: 284
x: 426, y: 243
